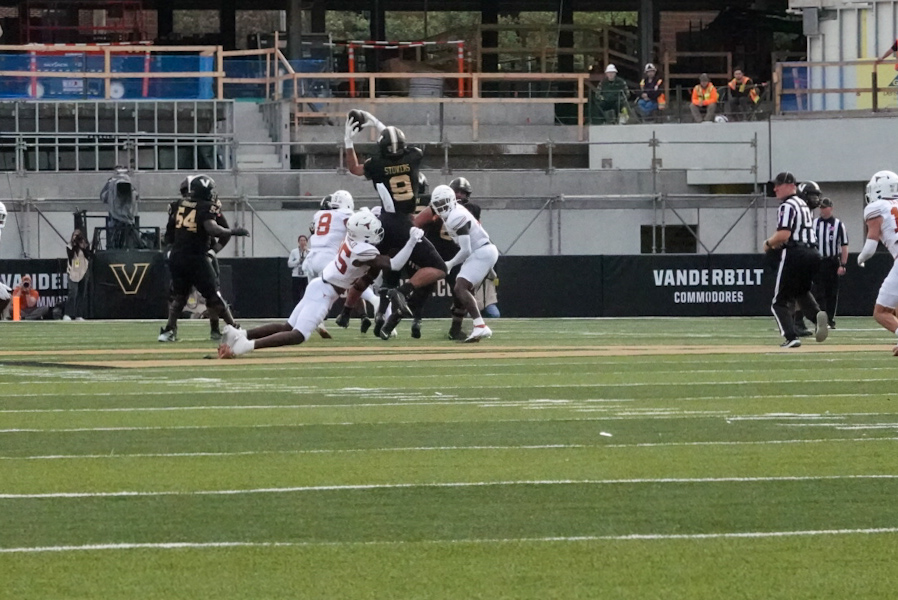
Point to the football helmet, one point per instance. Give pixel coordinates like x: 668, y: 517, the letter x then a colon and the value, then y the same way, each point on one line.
x: 341, y: 200
x: 2, y: 215
x: 882, y: 186
x: 202, y: 187
x: 442, y: 200
x: 423, y: 186
x: 185, y: 186
x: 363, y: 226
x: 460, y: 184
x: 391, y: 142
x: 810, y: 192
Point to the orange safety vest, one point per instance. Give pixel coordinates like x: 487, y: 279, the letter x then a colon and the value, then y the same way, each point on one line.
x: 704, y: 96
x: 746, y: 82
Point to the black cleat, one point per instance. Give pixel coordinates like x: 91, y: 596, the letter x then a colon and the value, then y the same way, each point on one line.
x: 399, y: 305
x: 389, y: 328
x: 456, y: 334
x: 215, y: 335
x: 416, y: 329
x: 378, y: 324
x: 366, y: 325
x: 342, y: 320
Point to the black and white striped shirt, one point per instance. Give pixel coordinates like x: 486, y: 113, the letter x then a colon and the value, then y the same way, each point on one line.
x: 794, y: 215
x: 831, y: 236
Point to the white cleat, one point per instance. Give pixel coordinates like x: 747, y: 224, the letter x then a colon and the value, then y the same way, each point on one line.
x: 822, y: 326
x: 479, y: 332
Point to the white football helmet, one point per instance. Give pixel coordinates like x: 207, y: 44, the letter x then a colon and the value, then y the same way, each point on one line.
x: 442, y: 200
x: 2, y: 215
x: 341, y: 200
x: 883, y: 186
x: 363, y: 226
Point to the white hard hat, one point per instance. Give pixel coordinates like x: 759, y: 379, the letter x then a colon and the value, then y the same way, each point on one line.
x: 611, y: 69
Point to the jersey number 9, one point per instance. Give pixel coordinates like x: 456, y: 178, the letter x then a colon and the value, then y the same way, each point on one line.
x: 401, y: 188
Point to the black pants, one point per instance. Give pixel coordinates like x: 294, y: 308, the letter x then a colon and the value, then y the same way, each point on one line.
x: 299, y: 288
x: 826, y: 286
x: 795, y: 274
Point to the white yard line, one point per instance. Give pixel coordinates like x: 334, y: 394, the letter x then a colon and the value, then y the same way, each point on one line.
x: 438, y: 449
x: 456, y: 484
x: 471, y: 541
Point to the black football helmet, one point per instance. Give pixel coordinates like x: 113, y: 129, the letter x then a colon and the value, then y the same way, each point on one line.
x: 460, y: 184
x: 391, y: 142
x: 423, y: 186
x: 810, y: 192
x: 202, y: 187
x: 185, y: 186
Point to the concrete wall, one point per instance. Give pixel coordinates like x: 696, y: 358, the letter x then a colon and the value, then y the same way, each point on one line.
x: 598, y: 211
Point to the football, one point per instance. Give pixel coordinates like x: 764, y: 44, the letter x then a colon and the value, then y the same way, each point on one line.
x: 356, y: 116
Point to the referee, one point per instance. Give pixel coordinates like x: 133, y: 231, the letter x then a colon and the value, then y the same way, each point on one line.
x: 832, y: 242
x: 796, y: 245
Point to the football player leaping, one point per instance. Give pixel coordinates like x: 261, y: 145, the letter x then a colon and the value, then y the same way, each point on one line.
x: 355, y: 266
x: 394, y: 173
x: 476, y: 255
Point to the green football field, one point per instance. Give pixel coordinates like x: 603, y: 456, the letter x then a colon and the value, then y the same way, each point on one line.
x: 563, y: 458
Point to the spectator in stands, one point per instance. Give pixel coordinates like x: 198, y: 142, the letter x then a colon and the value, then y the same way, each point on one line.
x: 651, y: 95
x: 29, y: 300
x: 78, y: 252
x: 487, y: 297
x: 294, y: 262
x: 704, y: 100
x: 612, y: 96
x: 742, y: 96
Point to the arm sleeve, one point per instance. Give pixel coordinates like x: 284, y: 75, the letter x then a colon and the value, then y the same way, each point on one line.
x: 464, y: 245
x: 398, y: 261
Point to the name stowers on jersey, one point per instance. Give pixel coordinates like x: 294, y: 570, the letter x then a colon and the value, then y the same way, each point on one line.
x: 887, y: 209
x: 344, y: 270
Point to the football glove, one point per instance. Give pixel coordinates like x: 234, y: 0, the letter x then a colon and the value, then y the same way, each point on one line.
x: 4, y: 292
x: 239, y: 232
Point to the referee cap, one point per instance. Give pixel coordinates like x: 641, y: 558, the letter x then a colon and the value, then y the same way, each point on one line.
x: 826, y: 203
x: 784, y: 177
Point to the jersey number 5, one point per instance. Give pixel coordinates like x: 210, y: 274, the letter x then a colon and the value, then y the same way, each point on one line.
x: 341, y: 264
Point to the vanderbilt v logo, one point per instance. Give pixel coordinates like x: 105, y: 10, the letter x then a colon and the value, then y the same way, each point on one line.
x: 130, y: 283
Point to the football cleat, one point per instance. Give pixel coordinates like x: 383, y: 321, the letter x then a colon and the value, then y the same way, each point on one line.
x: 324, y: 333
x: 416, y: 329
x: 822, y: 326
x: 480, y: 332
x: 168, y: 335
x: 389, y: 329
x: 398, y: 304
x: 791, y: 343
x: 378, y: 325
x: 215, y: 335
x: 458, y: 335
x: 342, y: 320
x: 366, y: 325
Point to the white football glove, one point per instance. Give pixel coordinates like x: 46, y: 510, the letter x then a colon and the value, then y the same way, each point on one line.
x: 4, y: 292
x: 416, y: 234
x: 371, y: 121
x: 349, y: 131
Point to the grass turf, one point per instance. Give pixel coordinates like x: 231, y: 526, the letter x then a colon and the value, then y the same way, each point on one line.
x: 560, y: 459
